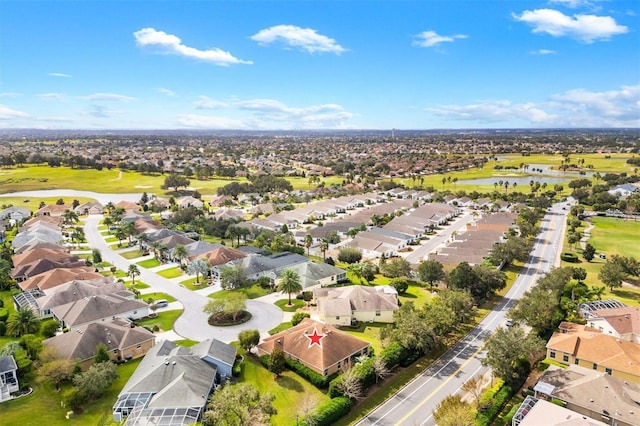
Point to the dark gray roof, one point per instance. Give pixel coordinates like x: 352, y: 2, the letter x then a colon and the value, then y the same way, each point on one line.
x: 217, y: 350
x: 7, y: 363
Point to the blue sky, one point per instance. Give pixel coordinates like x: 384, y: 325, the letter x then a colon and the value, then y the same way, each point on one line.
x: 287, y: 65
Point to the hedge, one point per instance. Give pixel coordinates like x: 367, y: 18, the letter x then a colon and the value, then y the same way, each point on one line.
x: 329, y: 413
x: 394, y: 354
x: 311, y: 376
x: 569, y: 257
x: 493, y: 405
x: 314, y: 378
x: 4, y: 314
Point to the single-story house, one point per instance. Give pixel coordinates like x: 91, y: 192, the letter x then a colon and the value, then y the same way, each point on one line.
x: 8, y: 377
x: 123, y: 341
x: 100, y: 307
x: 341, y: 306
x: 320, y: 347
x: 172, y: 384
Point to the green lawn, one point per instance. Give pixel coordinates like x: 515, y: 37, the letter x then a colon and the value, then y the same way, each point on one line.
x: 280, y: 327
x: 251, y: 292
x: 157, y: 296
x: 368, y: 332
x: 170, y: 272
x: 149, y: 263
x: 43, y: 405
x: 290, y: 390
x: 132, y: 254
x: 610, y: 236
x: 296, y: 303
x: 140, y: 285
x: 191, y: 283
x: 164, y: 320
x: 416, y: 294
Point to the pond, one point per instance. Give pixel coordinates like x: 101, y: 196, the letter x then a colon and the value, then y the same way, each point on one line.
x: 521, y: 181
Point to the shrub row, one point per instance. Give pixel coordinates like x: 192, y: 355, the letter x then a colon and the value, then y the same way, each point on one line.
x: 314, y: 378
x: 569, y: 257
x: 329, y: 413
x: 492, y: 404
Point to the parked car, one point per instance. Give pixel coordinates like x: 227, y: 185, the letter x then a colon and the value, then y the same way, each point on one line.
x: 162, y: 303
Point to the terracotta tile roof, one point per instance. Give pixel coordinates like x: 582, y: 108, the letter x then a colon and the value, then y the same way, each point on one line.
x: 58, y: 276
x: 335, y: 345
x: 623, y: 320
x: 40, y: 253
x: 221, y: 256
x: 590, y: 345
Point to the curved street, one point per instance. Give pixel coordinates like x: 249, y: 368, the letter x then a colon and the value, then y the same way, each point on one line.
x: 192, y: 324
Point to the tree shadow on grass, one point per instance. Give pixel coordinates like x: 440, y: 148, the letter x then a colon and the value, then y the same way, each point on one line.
x: 627, y: 294
x: 290, y: 383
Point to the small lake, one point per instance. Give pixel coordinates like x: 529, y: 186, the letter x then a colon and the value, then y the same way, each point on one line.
x: 522, y: 181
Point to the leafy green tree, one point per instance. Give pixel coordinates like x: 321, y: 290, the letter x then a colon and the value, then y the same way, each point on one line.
x: 410, y: 330
x: 290, y: 283
x: 24, y: 321
x: 349, y: 255
x: 629, y: 265
x: 238, y: 405
x: 308, y: 242
x: 431, y: 271
x: 92, y: 383
x: 175, y: 181
x: 539, y: 308
x: 579, y: 274
x: 462, y: 277
x: 396, y: 267
x: 356, y: 270
x: 511, y: 353
x: 49, y: 327
x: 249, y: 338
x: 277, y: 361
x: 233, y: 277
x: 589, y: 252
x: 612, y: 275
x: 453, y: 411
x: 488, y: 281
x: 298, y: 317
x: 460, y: 302
x: 102, y: 354
x: 69, y: 217
x: 401, y: 284
x: 96, y: 256
x: 231, y: 307
x: 54, y: 369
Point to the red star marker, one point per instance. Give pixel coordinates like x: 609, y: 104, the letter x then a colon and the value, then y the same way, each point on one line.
x: 314, y: 339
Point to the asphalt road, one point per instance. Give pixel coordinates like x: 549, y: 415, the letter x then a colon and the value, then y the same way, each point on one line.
x: 192, y: 324
x: 415, y: 402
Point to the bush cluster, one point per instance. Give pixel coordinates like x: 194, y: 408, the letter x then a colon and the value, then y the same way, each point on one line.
x: 329, y: 413
x: 569, y: 257
x: 492, y: 403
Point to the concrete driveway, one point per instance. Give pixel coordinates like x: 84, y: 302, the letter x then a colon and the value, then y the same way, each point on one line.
x: 192, y: 324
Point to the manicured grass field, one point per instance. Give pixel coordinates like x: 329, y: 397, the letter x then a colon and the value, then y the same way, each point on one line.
x: 132, y: 254
x: 157, y: 296
x: 280, y: 327
x: 369, y: 333
x: 296, y: 303
x: 140, y: 285
x: 149, y: 263
x: 416, y: 294
x: 170, y: 272
x: 43, y: 406
x: 290, y: 390
x: 164, y: 320
x: 609, y: 236
x: 251, y: 292
x: 191, y: 283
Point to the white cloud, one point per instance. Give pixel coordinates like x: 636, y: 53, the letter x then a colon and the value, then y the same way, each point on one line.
x: 305, y: 39
x: 54, y: 96
x: 431, y: 39
x: 573, y: 4
x: 59, y: 74
x: 7, y: 113
x: 205, y: 102
x: 543, y: 52
x: 110, y: 97
x: 164, y: 91
x: 210, y: 122
x: 10, y: 95
x: 585, y: 28
x: 575, y: 108
x: 171, y: 44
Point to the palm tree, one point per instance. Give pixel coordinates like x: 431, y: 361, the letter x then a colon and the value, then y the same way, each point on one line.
x: 180, y: 252
x: 308, y: 242
x: 198, y: 267
x: 143, y: 239
x: 69, y: 217
x: 133, y: 272
x: 290, y: 283
x: 324, y: 246
x: 24, y: 321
